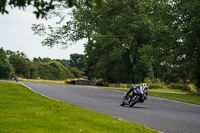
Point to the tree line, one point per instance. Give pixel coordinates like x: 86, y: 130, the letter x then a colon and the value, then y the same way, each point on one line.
x: 130, y: 40
x: 17, y: 63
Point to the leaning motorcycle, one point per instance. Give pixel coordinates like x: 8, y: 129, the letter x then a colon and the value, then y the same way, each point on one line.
x: 16, y: 78
x: 134, y: 97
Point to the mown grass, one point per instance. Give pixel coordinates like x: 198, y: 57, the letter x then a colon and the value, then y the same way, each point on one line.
x: 175, y: 94
x: 24, y: 111
x: 115, y: 88
x: 50, y: 82
x: 41, y: 81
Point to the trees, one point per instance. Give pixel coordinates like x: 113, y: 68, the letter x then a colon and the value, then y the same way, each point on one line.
x: 112, y: 47
x: 65, y: 63
x: 53, y: 70
x: 128, y: 41
x: 77, y: 60
x: 17, y: 63
x: 189, y: 19
x: 42, y: 6
x: 76, y: 72
x: 21, y: 63
x: 60, y: 69
x: 176, y: 40
x: 6, y: 69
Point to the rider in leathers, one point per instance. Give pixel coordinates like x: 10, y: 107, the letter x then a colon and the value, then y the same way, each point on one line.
x: 142, y: 87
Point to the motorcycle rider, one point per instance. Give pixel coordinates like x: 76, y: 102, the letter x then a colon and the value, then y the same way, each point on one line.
x: 142, y: 87
x: 16, y: 78
x: 131, y: 90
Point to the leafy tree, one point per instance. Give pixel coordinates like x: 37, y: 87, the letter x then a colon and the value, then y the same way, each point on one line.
x: 77, y: 60
x: 20, y: 62
x: 46, y: 59
x: 147, y: 58
x: 42, y: 6
x: 6, y: 69
x: 76, y: 72
x: 189, y: 19
x: 33, y: 71
x: 176, y: 39
x: 131, y: 40
x: 39, y: 60
x: 65, y: 63
x: 112, y: 47
x: 54, y: 70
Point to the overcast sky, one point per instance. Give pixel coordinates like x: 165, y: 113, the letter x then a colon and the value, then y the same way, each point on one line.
x: 16, y: 35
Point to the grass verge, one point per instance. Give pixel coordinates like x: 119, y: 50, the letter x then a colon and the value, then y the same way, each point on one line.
x: 41, y: 81
x: 24, y: 111
x: 175, y: 94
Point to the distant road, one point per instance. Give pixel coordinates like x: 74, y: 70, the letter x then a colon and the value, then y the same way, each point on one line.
x: 159, y: 114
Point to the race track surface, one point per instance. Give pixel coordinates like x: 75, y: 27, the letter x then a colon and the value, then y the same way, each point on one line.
x: 159, y: 114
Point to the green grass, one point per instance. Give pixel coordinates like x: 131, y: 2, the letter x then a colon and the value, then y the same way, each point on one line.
x: 21, y: 110
x: 49, y: 82
x: 175, y: 94
x: 113, y: 88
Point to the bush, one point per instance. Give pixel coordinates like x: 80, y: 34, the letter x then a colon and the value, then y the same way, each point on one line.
x: 148, y: 81
x: 192, y: 88
x: 6, y: 68
x: 155, y: 86
x: 178, y: 86
x: 76, y: 72
x: 157, y: 81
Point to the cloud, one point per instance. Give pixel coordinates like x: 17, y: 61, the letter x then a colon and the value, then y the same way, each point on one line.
x: 16, y: 35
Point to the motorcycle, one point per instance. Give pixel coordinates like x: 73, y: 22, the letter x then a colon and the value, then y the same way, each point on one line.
x: 134, y: 97
x: 15, y: 78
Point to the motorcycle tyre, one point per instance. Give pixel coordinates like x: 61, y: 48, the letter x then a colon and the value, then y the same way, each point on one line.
x: 122, y: 103
x: 145, y: 98
x: 134, y: 101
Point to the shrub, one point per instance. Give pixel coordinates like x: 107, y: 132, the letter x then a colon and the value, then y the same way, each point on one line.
x: 178, y: 86
x: 123, y: 85
x: 148, y: 81
x: 155, y: 86
x: 69, y: 74
x: 192, y: 88
x: 76, y: 72
x: 157, y: 81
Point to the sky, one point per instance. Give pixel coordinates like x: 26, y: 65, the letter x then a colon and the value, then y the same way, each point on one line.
x: 16, y: 35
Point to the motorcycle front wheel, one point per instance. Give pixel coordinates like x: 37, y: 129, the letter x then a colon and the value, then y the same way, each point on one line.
x: 134, y: 101
x: 123, y: 102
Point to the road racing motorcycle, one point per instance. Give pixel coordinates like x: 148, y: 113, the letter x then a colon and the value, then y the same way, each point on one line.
x: 137, y: 95
x: 15, y: 78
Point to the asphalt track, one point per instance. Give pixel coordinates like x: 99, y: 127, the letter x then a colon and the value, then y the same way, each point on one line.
x: 159, y: 114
